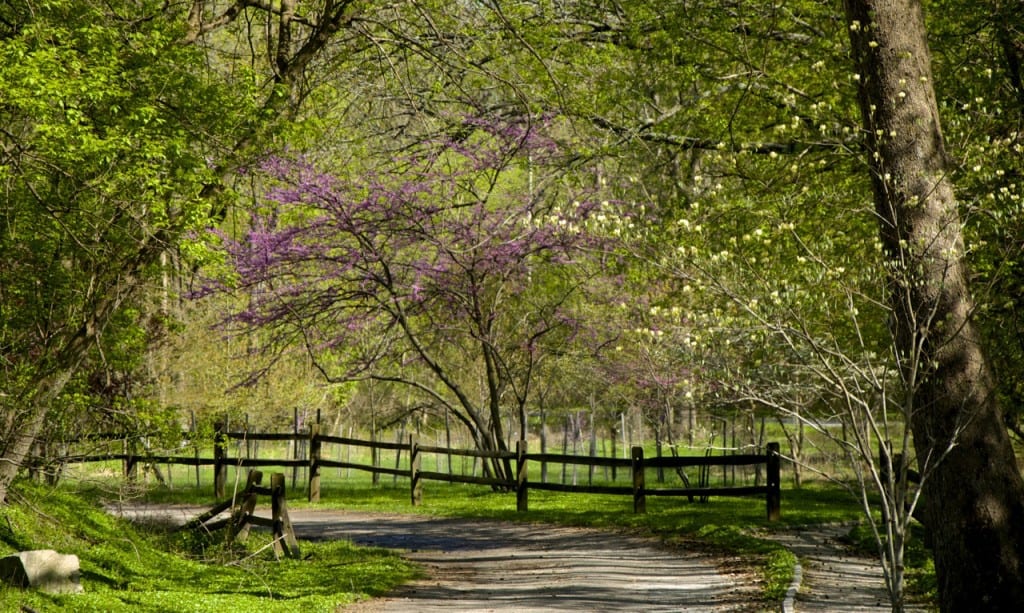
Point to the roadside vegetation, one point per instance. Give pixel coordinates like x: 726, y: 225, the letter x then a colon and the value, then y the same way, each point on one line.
x: 133, y: 568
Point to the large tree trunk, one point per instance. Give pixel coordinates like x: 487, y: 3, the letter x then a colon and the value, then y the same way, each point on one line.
x: 973, y: 492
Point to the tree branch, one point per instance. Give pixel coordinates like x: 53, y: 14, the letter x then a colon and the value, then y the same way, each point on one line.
x: 643, y: 132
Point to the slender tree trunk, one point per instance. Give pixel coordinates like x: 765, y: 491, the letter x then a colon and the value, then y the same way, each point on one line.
x: 973, y: 492
x: 19, y: 440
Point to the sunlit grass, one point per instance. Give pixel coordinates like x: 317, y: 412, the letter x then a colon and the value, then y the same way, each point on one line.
x: 128, y: 569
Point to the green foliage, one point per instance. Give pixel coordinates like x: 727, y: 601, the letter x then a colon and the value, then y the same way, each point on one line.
x: 977, y: 64
x: 125, y: 569
x: 200, y: 369
x: 724, y: 138
x: 110, y: 128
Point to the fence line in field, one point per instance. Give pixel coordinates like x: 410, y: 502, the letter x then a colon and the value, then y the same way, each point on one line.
x: 517, y: 480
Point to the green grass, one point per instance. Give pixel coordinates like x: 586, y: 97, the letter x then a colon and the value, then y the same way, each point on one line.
x: 125, y: 568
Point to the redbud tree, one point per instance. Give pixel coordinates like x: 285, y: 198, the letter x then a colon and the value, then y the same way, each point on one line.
x: 454, y: 274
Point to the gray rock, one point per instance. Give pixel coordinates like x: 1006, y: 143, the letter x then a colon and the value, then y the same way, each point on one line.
x: 42, y: 569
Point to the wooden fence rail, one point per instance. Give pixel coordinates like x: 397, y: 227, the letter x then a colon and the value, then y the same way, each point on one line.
x: 520, y: 483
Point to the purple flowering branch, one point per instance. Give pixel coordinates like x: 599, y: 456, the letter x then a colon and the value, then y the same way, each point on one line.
x: 455, y: 252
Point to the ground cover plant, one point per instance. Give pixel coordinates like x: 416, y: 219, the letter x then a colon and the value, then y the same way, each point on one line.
x: 126, y: 568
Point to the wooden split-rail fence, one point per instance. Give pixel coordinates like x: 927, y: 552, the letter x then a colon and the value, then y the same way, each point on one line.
x: 243, y: 515
x: 637, y: 464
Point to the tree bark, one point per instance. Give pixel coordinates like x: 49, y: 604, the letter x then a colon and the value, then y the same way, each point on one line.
x: 973, y: 492
x: 18, y: 442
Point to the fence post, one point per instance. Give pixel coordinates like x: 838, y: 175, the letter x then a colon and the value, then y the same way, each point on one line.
x: 238, y: 529
x: 296, y: 455
x: 773, y: 498
x: 314, y: 462
x: 416, y: 486
x: 284, y: 534
x: 639, y: 499
x: 374, y: 456
x: 131, y: 472
x: 220, y: 456
x: 522, y: 495
x: 248, y: 441
x: 195, y: 447
x: 543, y: 446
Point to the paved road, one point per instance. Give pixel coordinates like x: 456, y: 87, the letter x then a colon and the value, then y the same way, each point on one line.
x: 504, y: 566
x: 501, y: 566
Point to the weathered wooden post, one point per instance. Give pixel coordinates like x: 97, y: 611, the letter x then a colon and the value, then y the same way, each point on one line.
x: 238, y: 529
x: 773, y: 498
x: 248, y: 441
x: 296, y: 455
x: 195, y: 447
x: 522, y: 492
x: 284, y: 534
x: 592, y: 448
x: 639, y: 498
x: 399, y: 437
x: 615, y: 453
x: 448, y: 442
x: 543, y: 445
x: 374, y: 456
x: 131, y: 471
x: 416, y: 486
x: 220, y: 457
x: 314, y: 462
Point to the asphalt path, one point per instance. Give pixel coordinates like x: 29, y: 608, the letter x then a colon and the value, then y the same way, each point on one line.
x: 504, y: 566
x: 489, y: 566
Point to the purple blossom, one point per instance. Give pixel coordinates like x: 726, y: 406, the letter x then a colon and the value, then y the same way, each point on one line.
x: 343, y: 259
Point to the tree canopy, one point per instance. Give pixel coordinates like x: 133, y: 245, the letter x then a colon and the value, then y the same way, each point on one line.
x: 509, y: 208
